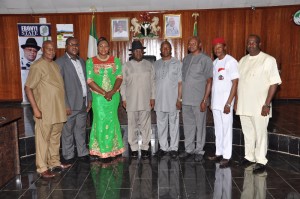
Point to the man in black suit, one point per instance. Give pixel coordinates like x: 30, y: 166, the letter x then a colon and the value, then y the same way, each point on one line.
x: 78, y: 102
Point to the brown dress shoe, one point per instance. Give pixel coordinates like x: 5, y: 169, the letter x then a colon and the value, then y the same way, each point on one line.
x: 47, y: 174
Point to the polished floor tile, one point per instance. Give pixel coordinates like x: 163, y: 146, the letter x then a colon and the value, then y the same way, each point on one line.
x: 161, y: 178
x: 167, y: 178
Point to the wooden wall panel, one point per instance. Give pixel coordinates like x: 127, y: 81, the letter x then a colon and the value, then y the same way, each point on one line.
x: 280, y: 38
x: 10, y: 73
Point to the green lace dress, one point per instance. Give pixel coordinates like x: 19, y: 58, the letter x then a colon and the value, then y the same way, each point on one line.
x: 105, y: 138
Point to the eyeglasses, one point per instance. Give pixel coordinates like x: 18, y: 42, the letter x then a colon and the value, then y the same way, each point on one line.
x: 73, y: 45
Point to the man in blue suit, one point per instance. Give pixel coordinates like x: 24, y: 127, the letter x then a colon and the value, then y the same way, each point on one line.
x: 78, y: 102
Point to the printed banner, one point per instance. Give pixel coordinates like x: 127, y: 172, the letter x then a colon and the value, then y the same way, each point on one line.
x: 31, y: 37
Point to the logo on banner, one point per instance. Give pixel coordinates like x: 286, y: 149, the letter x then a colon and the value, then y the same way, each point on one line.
x: 297, y: 17
x: 37, y: 30
x: 44, y: 30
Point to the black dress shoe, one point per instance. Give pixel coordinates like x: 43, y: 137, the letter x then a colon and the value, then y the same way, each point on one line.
x: 224, y: 163
x: 145, y: 154
x: 259, y: 168
x: 85, y: 158
x: 60, y: 168
x: 94, y: 158
x: 199, y: 158
x: 69, y: 161
x: 245, y: 163
x: 106, y: 160
x: 160, y: 153
x: 117, y: 156
x: 173, y: 154
x: 216, y: 158
x: 134, y: 154
x: 185, y: 155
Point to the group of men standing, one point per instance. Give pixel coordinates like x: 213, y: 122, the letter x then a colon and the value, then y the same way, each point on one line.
x: 167, y: 86
x: 246, y: 87
x: 59, y: 89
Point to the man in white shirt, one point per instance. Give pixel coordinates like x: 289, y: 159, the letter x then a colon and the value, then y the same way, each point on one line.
x: 259, y: 78
x: 225, y: 81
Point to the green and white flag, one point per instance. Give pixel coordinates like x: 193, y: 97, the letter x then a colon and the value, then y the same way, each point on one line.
x: 92, y: 46
x: 195, y: 32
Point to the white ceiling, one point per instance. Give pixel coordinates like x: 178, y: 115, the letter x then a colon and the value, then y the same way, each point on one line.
x: 71, y: 6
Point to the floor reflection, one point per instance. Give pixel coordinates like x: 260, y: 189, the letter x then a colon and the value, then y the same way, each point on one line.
x: 141, y: 178
x: 254, y: 185
x: 223, y: 183
x: 28, y: 121
x: 165, y: 178
x: 107, y: 178
x: 168, y: 178
x: 160, y: 178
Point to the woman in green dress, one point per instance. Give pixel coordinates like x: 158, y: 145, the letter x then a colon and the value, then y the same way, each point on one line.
x: 104, y: 77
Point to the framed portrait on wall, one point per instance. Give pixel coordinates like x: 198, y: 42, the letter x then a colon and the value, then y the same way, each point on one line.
x: 172, y: 26
x: 119, y: 29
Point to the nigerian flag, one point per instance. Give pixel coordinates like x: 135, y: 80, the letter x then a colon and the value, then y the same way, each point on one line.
x: 92, y: 46
x: 195, y: 32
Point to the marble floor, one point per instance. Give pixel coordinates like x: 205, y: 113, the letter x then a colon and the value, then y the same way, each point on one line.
x: 167, y: 178
x: 162, y: 178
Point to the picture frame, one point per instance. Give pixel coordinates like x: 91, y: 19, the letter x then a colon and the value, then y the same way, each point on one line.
x: 119, y: 29
x: 172, y: 26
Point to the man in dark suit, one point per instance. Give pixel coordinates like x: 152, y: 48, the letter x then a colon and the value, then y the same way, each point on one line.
x: 78, y: 102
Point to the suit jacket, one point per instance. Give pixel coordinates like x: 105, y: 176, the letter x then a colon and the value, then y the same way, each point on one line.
x: 138, y: 85
x: 73, y: 88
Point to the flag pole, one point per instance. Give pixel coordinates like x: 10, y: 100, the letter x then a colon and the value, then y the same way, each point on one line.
x: 195, y: 30
x: 92, y: 42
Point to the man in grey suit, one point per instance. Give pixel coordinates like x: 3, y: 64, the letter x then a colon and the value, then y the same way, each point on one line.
x: 197, y: 72
x: 138, y: 98
x: 78, y: 102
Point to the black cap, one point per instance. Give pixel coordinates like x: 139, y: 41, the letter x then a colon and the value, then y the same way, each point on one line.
x: 136, y: 44
x: 31, y: 42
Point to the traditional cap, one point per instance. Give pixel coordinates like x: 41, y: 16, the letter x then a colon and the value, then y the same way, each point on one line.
x: 218, y: 41
x: 136, y: 44
x: 31, y: 42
